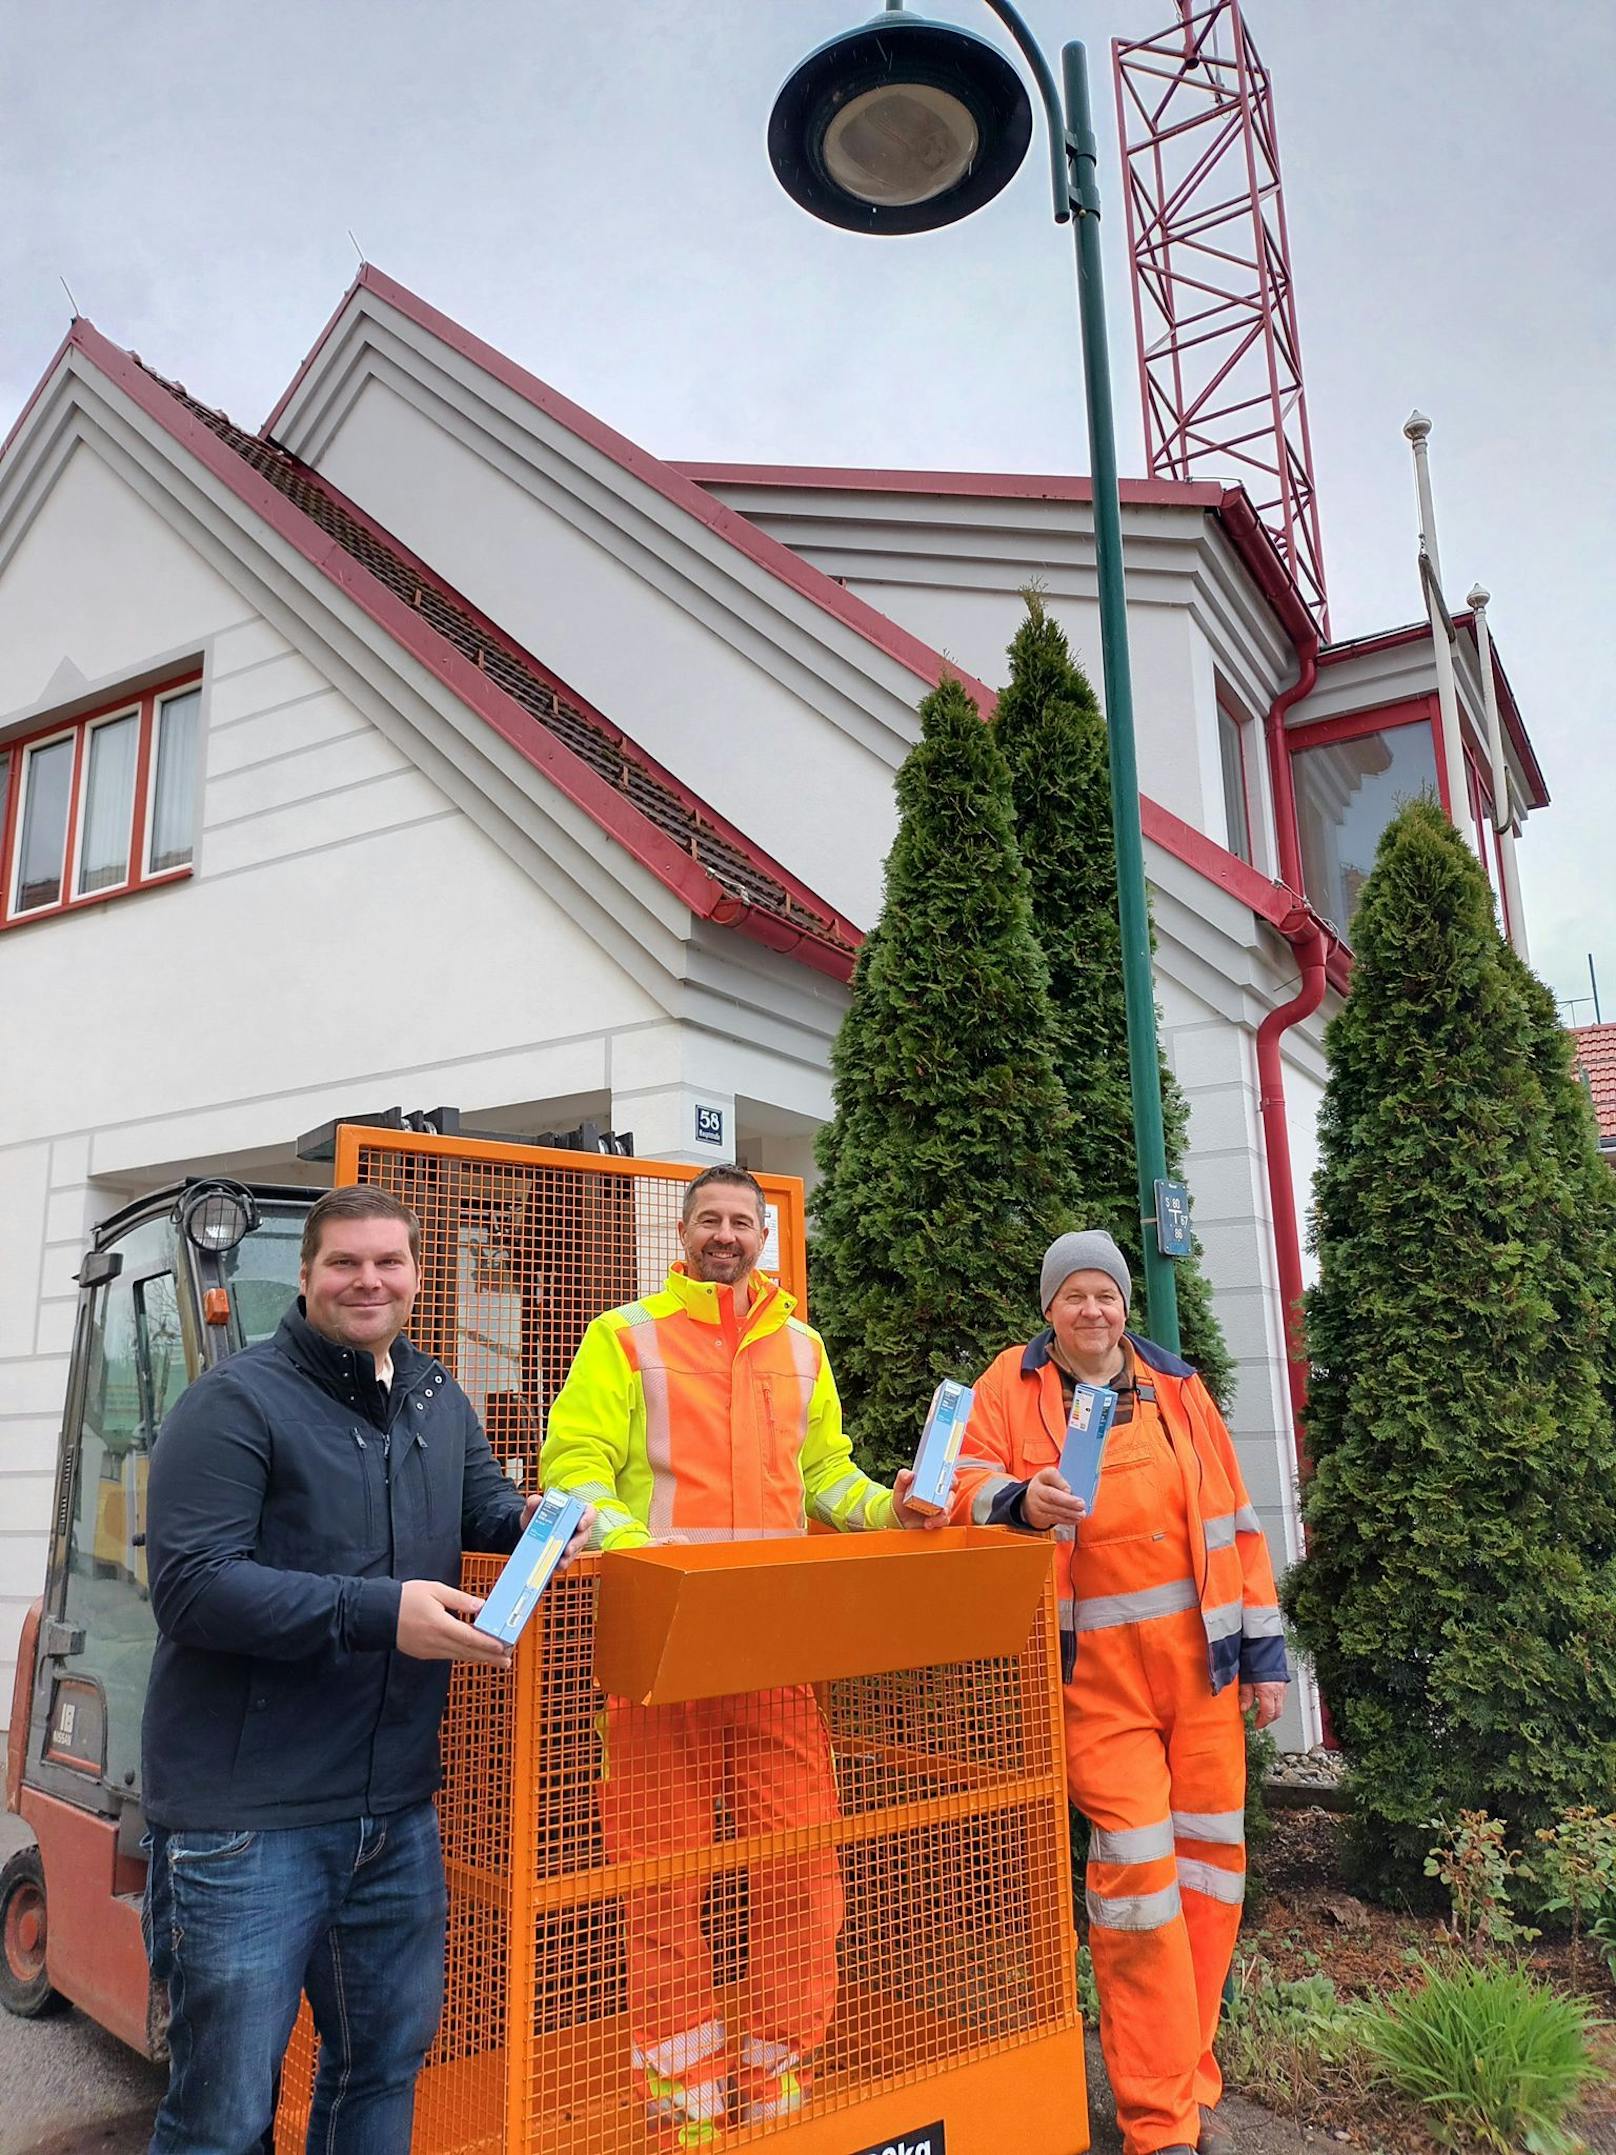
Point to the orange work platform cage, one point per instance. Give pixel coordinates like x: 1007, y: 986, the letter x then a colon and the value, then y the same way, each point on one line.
x: 932, y: 1863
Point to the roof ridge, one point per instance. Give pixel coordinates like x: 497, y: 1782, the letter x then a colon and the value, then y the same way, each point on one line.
x: 737, y: 866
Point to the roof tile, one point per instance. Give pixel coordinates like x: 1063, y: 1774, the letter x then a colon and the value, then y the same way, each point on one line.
x: 1596, y: 1051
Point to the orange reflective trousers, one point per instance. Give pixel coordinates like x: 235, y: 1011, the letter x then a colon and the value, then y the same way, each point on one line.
x: 1156, y: 1762
x: 766, y: 1760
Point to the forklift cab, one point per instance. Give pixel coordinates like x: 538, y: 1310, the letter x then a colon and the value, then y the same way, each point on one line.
x: 171, y: 1285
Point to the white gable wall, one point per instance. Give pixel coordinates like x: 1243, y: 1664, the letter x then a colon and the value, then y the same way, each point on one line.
x: 350, y: 940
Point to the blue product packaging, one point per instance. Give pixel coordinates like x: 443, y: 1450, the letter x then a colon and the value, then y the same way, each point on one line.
x: 1094, y: 1408
x: 530, y: 1566
x: 938, y: 1453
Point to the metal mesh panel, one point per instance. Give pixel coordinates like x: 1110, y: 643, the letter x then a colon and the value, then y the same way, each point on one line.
x: 870, y: 1875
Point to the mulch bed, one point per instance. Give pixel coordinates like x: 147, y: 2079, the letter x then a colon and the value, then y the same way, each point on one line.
x: 1305, y: 1921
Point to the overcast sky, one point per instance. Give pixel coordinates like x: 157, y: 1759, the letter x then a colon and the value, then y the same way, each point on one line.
x: 584, y: 184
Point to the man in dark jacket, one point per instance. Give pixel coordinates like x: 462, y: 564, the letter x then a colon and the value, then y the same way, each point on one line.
x: 308, y: 1503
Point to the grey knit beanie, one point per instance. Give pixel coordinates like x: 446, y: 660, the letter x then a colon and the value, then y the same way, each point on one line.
x: 1093, y: 1252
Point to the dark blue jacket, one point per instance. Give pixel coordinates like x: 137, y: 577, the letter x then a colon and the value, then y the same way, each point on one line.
x: 288, y: 1496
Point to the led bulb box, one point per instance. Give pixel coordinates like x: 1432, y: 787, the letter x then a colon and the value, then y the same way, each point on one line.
x: 938, y: 1453
x: 1094, y: 1408
x: 530, y: 1566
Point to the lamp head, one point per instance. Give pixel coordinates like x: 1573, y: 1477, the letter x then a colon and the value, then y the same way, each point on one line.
x: 902, y: 125
x: 1416, y: 426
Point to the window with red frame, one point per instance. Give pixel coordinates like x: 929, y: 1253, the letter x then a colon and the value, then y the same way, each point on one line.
x: 99, y: 805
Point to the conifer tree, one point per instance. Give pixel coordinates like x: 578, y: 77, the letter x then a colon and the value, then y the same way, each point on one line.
x: 1053, y: 735
x: 1459, y: 1592
x: 946, y: 1165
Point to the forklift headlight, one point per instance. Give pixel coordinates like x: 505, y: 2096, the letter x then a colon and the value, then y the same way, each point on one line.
x: 218, y: 1215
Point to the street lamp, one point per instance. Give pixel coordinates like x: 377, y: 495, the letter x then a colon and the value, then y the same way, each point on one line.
x: 905, y: 125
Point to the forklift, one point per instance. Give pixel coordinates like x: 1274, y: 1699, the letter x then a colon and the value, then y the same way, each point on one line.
x: 171, y: 1285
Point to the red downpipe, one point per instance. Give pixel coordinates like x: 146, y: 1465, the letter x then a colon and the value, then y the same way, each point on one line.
x: 1307, y: 937
x: 1281, y: 781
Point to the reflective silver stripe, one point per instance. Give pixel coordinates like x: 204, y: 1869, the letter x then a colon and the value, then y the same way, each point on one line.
x: 1223, y: 1622
x: 1226, y: 1886
x: 658, y: 1417
x: 1067, y: 1611
x: 982, y: 1502
x: 1219, y: 1530
x: 1226, y: 1829
x: 680, y: 2052
x: 1131, y: 1844
x: 1263, y: 1624
x: 1103, y: 1612
x: 1246, y: 1521
x: 1133, y: 1911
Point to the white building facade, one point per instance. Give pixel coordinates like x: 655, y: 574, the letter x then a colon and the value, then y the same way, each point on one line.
x: 437, y: 744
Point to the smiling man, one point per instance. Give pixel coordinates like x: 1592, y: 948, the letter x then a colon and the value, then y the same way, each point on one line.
x: 708, y: 1413
x: 308, y: 1503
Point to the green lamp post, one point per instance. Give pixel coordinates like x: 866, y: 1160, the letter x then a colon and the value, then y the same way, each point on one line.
x: 904, y: 125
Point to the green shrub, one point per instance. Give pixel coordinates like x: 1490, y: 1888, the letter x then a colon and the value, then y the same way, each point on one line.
x: 945, y: 1168
x: 1478, y: 1869
x: 1277, y: 2035
x: 1052, y: 732
x: 1494, y: 2059
x: 1458, y: 1595
x: 1576, y: 1870
x: 1261, y: 1752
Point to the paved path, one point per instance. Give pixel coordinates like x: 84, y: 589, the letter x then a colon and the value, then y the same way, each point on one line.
x: 69, y: 2088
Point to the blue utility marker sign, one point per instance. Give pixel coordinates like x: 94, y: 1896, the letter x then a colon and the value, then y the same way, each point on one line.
x: 1173, y: 1219
x: 710, y: 1126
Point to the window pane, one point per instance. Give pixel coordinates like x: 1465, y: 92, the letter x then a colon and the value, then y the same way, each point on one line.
x: 110, y: 805
x: 47, y: 783
x: 6, y: 761
x: 175, y: 791
x: 1234, y: 785
x: 1346, y: 794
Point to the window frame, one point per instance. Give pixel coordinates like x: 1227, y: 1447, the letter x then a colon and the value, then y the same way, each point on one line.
x: 151, y: 749
x: 1228, y: 709
x: 16, y: 757
x: 1353, y: 726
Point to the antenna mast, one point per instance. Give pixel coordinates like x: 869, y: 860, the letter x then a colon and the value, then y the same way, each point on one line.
x: 1220, y: 360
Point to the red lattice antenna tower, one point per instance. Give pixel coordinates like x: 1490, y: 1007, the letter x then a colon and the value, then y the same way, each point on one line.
x: 1220, y: 362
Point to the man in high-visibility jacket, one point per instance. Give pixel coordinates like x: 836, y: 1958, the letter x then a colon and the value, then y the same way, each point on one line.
x: 1169, y: 1631
x: 708, y: 1412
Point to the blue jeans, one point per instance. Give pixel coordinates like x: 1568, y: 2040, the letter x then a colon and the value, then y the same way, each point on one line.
x: 239, y: 1925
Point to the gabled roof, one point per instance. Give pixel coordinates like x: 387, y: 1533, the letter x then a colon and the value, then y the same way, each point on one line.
x: 709, y: 865
x: 1509, y: 710
x: 728, y: 524
x: 1269, y: 900
x: 1596, y: 1051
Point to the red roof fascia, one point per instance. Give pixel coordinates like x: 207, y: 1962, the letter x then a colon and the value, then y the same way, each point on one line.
x: 1509, y: 710
x: 655, y: 851
x: 810, y: 583
x: 1269, y: 900
x: 38, y: 390
x: 981, y: 485
x: 310, y: 356
x: 1596, y: 1051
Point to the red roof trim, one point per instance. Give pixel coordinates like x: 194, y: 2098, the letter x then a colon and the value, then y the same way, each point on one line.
x: 705, y: 896
x: 982, y: 485
x: 789, y: 568
x: 1509, y: 710
x: 38, y: 391
x: 310, y: 356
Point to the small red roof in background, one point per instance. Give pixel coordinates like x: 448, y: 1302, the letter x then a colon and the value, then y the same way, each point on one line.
x: 1596, y: 1051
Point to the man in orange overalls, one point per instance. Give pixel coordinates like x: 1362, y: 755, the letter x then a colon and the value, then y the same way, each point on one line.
x: 708, y: 1413
x: 1169, y: 1632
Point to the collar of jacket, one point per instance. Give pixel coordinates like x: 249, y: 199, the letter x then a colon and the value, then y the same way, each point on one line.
x: 338, y: 1369
x: 1038, y: 1351
x: 699, y: 1298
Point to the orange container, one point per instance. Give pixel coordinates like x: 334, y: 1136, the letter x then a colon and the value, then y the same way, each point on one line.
x: 714, y: 1620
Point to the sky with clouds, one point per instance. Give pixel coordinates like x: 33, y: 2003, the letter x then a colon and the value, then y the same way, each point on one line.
x: 585, y: 185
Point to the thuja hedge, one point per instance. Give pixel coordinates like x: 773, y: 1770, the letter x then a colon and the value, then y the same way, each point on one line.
x: 1458, y: 1596
x: 1052, y: 732
x: 946, y: 1166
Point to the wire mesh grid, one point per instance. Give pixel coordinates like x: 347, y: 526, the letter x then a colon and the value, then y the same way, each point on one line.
x: 734, y: 1904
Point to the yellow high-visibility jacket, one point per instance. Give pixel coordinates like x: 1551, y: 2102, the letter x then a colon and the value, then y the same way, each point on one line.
x: 680, y: 1418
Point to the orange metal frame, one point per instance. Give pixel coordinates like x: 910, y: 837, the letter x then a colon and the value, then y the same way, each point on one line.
x: 935, y: 1832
